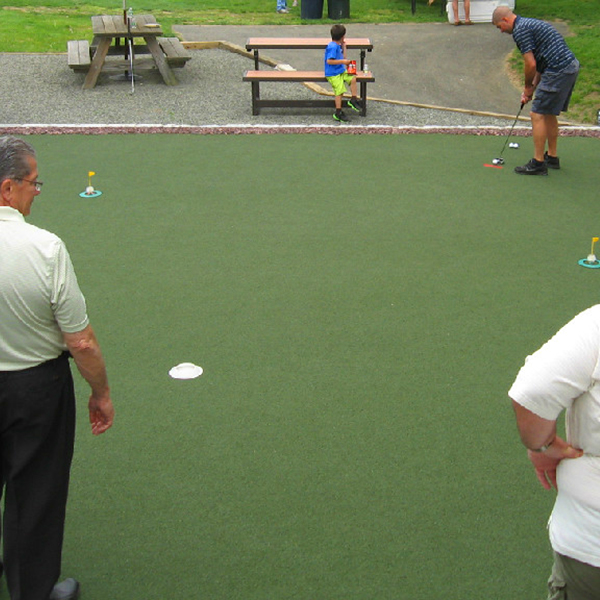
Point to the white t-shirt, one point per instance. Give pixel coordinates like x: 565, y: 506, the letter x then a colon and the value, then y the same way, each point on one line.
x: 565, y: 374
x: 39, y: 294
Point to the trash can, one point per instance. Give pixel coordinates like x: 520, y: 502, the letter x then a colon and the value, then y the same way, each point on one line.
x: 311, y: 9
x: 338, y: 9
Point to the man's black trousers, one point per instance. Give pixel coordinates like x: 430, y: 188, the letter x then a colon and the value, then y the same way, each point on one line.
x: 37, y: 431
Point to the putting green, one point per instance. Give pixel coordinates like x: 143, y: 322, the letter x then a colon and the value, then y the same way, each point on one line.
x: 360, y: 306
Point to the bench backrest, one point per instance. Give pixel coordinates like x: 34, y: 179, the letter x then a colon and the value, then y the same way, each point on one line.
x: 256, y: 43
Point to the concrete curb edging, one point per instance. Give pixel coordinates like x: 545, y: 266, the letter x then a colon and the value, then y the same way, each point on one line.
x: 95, y: 129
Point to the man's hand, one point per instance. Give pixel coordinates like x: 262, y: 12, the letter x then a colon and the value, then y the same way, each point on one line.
x: 102, y: 413
x: 545, y: 463
x: 527, y: 94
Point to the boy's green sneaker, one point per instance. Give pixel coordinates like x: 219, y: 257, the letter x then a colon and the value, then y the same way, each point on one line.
x: 355, y: 104
x: 340, y: 116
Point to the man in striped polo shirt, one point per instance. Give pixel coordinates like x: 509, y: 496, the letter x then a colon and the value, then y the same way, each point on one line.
x: 550, y: 70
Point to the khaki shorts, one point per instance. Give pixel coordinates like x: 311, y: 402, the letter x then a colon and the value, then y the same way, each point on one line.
x: 338, y: 82
x: 573, y: 580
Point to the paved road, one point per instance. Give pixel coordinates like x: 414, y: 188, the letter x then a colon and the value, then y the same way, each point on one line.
x: 426, y: 63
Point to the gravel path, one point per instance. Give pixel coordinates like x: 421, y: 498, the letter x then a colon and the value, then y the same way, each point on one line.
x: 43, y: 90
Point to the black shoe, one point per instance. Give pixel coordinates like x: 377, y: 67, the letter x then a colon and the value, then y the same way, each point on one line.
x: 533, y: 167
x: 355, y: 104
x: 552, y: 162
x: 65, y: 590
x: 340, y: 116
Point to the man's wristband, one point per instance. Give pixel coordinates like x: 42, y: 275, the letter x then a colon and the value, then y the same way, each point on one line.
x: 544, y: 447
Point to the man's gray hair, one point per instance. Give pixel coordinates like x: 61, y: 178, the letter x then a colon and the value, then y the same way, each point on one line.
x: 14, y: 153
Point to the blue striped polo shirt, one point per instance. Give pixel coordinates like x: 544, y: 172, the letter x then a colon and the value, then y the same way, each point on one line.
x: 548, y: 46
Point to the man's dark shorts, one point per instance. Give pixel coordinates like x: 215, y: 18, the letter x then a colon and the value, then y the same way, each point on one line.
x: 573, y: 580
x: 554, y: 90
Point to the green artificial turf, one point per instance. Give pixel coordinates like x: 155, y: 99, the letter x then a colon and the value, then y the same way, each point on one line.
x: 360, y: 306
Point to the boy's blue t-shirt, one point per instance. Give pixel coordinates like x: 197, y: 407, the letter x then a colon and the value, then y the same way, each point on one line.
x: 334, y: 50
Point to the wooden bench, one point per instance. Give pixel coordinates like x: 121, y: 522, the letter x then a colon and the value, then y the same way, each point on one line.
x: 80, y: 52
x: 79, y: 56
x: 258, y: 77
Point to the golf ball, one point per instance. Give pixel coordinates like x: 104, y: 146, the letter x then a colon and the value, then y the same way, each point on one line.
x: 591, y: 258
x: 89, y: 189
x: 513, y: 145
x: 495, y: 161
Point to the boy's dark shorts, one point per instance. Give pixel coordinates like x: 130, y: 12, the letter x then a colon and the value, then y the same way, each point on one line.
x: 554, y: 90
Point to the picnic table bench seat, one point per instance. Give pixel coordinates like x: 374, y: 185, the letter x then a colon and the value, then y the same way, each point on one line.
x: 177, y: 55
x: 79, y: 56
x: 80, y: 52
x: 256, y: 77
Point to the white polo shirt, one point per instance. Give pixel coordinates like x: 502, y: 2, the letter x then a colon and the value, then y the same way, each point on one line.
x: 39, y: 294
x: 565, y: 374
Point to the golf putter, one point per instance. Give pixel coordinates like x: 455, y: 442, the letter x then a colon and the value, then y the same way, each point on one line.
x: 500, y: 160
x: 130, y: 42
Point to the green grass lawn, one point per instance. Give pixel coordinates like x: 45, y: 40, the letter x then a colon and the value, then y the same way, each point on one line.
x: 45, y: 26
x: 351, y: 437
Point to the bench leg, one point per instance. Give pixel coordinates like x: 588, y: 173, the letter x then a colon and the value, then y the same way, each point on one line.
x: 363, y: 98
x: 255, y: 97
x: 160, y: 60
x: 97, y: 63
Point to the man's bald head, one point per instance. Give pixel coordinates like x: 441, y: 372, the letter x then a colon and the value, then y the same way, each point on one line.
x: 500, y: 13
x: 504, y: 19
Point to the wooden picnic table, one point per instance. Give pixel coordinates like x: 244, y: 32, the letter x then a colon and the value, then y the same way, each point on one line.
x: 255, y: 44
x: 113, y: 28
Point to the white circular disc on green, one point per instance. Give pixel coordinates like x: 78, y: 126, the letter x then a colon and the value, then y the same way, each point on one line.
x: 186, y: 371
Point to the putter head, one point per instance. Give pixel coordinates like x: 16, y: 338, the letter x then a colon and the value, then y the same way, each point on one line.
x: 498, y: 161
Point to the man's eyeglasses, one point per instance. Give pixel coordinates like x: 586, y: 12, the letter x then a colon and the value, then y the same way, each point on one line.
x: 37, y: 184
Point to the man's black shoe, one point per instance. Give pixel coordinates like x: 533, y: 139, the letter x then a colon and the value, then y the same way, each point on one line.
x: 340, y: 116
x: 65, y: 590
x: 355, y: 104
x: 552, y: 162
x: 533, y: 167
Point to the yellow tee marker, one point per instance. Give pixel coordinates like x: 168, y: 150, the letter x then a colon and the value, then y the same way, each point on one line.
x: 591, y: 256
x: 89, y: 188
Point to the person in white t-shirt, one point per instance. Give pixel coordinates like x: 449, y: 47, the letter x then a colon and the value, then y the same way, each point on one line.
x: 564, y: 375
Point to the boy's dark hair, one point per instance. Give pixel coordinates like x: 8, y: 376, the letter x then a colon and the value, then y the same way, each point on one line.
x: 338, y: 32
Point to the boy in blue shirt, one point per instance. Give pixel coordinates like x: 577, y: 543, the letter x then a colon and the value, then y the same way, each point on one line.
x: 335, y: 71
